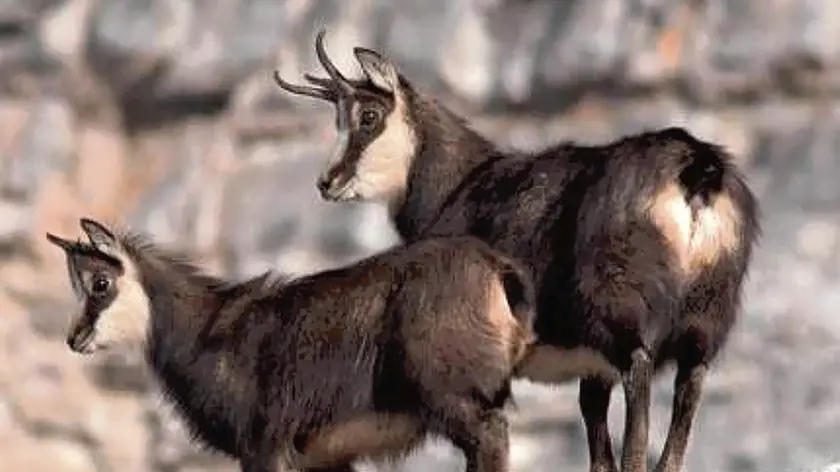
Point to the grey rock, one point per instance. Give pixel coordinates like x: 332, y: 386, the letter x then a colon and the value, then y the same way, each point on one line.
x: 45, y: 144
x: 14, y: 12
x: 206, y: 154
x: 14, y: 217
x: 798, y: 182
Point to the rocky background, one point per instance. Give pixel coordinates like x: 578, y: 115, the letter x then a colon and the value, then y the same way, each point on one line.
x: 162, y: 114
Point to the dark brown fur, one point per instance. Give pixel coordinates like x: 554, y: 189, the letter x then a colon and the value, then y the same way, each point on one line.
x: 315, y: 372
x: 638, y: 248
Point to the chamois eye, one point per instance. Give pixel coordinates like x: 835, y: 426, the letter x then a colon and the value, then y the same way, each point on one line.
x: 368, y: 118
x: 100, y: 285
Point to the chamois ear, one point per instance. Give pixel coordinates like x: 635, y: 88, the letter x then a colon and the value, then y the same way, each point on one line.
x: 380, y: 72
x: 103, y: 239
x: 65, y: 244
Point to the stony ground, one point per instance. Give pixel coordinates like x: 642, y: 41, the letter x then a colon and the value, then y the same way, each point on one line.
x: 162, y: 114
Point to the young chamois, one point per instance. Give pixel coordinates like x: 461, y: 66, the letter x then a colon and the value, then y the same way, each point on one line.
x: 312, y: 373
x: 638, y: 248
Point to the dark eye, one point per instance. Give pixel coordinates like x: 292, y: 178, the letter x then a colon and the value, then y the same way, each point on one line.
x: 368, y: 118
x: 100, y: 285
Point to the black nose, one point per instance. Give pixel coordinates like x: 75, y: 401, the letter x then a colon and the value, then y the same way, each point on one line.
x: 323, y: 184
x: 329, y: 185
x: 79, y: 339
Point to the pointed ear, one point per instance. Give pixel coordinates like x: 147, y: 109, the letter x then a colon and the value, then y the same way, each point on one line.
x: 99, y: 235
x: 65, y: 244
x: 381, y: 73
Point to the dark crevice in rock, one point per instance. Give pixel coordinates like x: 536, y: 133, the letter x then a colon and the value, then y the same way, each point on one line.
x: 142, y: 113
x: 11, y: 29
x: 548, y: 101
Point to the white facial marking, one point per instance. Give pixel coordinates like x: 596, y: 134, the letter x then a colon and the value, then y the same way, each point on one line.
x: 342, y: 138
x: 126, y: 321
x: 382, y: 170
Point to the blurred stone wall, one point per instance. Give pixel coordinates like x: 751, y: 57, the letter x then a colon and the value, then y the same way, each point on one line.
x: 162, y: 114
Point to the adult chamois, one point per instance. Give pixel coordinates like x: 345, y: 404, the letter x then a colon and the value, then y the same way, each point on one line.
x: 638, y: 247
x: 312, y: 373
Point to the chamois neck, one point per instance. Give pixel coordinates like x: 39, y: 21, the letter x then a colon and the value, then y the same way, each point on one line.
x: 448, y: 149
x: 182, y: 298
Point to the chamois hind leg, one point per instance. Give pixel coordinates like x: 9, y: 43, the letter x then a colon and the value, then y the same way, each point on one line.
x: 704, y: 327
x: 688, y: 387
x: 480, y: 433
x: 594, y: 401
x: 637, y: 386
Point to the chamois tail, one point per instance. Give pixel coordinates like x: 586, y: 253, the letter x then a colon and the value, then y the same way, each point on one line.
x: 521, y: 297
x: 702, y: 174
x: 522, y: 300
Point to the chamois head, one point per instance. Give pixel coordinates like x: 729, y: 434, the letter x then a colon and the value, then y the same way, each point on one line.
x: 114, y: 307
x: 376, y: 140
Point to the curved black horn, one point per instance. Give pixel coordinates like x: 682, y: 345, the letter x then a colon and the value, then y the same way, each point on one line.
x: 322, y: 93
x: 319, y: 81
x: 332, y: 70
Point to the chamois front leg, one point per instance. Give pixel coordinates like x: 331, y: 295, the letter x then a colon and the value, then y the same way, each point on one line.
x: 485, y: 444
x: 637, y: 385
x: 688, y: 387
x: 594, y: 401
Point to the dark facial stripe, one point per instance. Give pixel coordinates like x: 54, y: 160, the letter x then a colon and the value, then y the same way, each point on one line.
x: 344, y: 108
x: 76, y: 281
x: 344, y: 165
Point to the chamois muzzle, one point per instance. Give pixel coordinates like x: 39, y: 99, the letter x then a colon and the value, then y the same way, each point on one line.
x: 324, y: 186
x: 334, y: 187
x: 80, y: 339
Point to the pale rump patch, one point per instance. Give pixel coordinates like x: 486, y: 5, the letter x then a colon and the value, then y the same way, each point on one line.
x: 127, y: 319
x: 698, y: 238
x: 513, y: 336
x: 553, y: 365
x: 372, y: 436
x: 382, y: 170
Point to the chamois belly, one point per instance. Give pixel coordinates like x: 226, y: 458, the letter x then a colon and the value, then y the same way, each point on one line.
x: 555, y: 365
